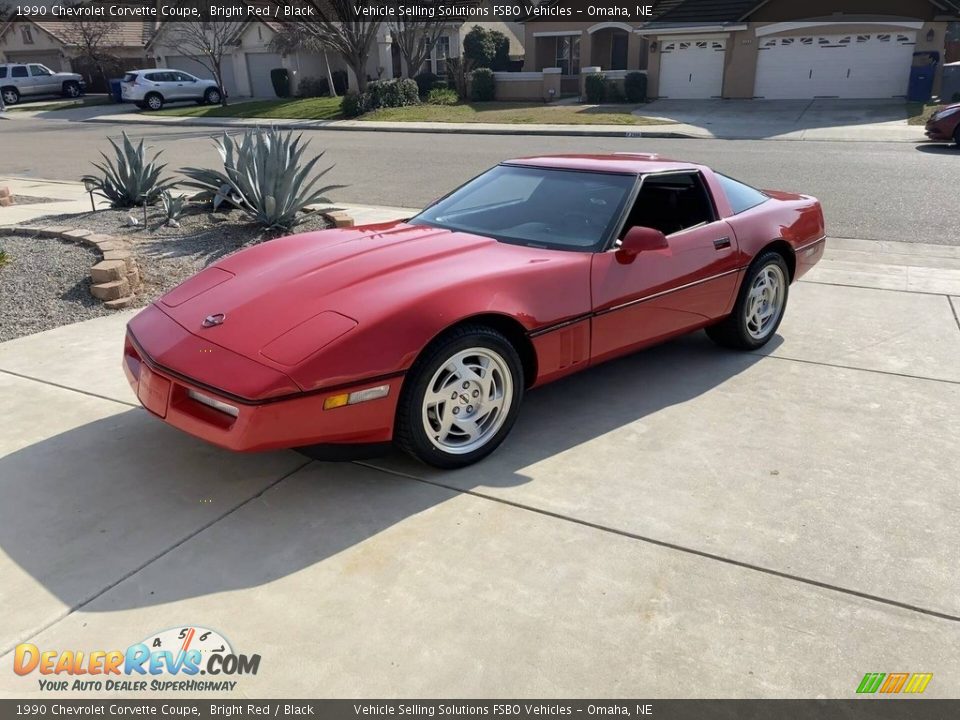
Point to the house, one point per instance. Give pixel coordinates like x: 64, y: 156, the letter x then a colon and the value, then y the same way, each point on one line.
x: 248, y: 61
x: 772, y: 49
x: 59, y: 46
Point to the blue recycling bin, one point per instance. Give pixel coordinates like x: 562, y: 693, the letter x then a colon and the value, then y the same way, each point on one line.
x: 922, y: 72
x: 115, y: 92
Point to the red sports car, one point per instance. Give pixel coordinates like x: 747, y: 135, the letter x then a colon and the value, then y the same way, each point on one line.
x: 944, y: 125
x: 427, y: 332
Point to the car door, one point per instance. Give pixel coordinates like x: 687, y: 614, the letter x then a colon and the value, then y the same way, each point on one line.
x: 42, y: 80
x: 22, y: 80
x: 660, y: 293
x: 188, y: 85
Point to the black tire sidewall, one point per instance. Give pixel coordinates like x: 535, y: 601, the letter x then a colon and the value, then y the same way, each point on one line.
x: 146, y: 101
x: 745, y: 338
x: 413, y: 437
x: 66, y: 89
x: 208, y: 96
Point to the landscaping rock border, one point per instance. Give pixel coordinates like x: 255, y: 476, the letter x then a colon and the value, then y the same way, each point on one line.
x: 115, y: 277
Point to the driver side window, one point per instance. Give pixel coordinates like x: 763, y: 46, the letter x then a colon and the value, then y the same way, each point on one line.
x: 671, y: 203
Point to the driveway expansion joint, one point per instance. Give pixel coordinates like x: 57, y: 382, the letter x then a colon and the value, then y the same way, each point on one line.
x: 71, y: 389
x: 953, y: 307
x: 673, y: 546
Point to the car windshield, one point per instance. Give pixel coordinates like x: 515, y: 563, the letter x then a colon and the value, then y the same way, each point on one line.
x: 538, y: 207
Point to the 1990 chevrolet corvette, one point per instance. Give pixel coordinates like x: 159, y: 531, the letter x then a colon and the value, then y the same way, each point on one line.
x: 427, y: 332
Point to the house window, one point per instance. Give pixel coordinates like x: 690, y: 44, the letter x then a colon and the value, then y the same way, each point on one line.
x: 568, y: 54
x: 26, y: 32
x: 441, y: 51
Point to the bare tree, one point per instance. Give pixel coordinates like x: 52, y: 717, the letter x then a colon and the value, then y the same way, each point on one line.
x: 92, y: 42
x: 415, y: 39
x: 206, y: 43
x: 287, y: 40
x: 339, y: 25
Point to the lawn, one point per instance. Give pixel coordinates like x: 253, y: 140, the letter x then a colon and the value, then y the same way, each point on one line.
x: 320, y: 108
x: 919, y: 113
x: 512, y: 112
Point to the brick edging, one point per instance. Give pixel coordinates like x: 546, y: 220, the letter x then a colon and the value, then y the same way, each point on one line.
x: 115, y: 277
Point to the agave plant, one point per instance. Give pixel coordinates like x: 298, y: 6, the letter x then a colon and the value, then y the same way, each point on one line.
x: 173, y: 206
x: 263, y: 177
x: 133, y: 180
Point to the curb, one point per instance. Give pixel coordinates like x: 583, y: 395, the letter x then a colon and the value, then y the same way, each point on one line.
x: 574, y: 131
x: 115, y: 277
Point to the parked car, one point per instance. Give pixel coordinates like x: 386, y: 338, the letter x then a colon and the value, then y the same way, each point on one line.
x: 428, y: 331
x: 18, y: 80
x: 151, y: 89
x: 944, y: 125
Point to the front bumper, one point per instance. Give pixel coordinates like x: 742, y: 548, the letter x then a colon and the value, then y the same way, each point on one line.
x: 288, y: 421
x: 943, y: 130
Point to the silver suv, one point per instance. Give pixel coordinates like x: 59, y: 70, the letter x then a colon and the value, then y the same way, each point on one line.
x: 24, y: 79
x: 150, y: 89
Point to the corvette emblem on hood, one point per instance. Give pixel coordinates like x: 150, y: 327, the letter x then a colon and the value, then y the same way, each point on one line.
x: 213, y: 320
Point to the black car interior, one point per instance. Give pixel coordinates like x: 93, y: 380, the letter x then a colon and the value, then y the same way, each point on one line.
x: 671, y: 203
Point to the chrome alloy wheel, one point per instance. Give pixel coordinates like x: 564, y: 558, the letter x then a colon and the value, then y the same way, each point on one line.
x: 467, y: 401
x: 765, y: 301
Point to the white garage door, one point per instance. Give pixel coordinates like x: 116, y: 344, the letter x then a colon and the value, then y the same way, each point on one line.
x: 50, y: 59
x: 691, y: 68
x: 259, y: 66
x: 180, y: 62
x: 874, y: 65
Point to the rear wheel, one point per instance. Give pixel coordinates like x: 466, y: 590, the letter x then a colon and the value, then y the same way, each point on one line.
x: 212, y: 96
x: 154, y: 101
x: 461, y: 398
x: 11, y: 96
x: 71, y: 89
x: 759, y: 308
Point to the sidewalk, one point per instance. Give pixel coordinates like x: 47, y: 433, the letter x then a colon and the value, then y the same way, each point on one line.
x: 820, y: 120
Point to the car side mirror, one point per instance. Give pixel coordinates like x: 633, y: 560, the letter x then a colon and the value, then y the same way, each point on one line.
x: 638, y: 240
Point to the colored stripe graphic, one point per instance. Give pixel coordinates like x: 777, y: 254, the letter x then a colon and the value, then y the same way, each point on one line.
x: 918, y: 682
x: 894, y: 682
x: 870, y: 682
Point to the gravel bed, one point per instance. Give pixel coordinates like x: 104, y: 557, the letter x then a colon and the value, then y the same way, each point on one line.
x: 45, y: 284
x: 167, y: 255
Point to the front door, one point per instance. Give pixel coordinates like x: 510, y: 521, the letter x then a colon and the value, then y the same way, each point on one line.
x: 664, y: 292
x: 618, y: 51
x: 42, y: 80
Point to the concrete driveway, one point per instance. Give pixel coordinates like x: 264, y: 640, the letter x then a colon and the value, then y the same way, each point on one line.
x: 825, y: 119
x: 684, y: 522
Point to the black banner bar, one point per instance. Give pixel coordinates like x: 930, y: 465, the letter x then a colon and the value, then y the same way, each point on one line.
x: 865, y: 709
x: 644, y: 11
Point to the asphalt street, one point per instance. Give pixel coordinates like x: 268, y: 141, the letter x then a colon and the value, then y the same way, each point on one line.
x: 876, y: 191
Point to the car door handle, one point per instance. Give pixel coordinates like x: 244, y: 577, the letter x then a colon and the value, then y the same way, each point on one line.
x: 721, y: 244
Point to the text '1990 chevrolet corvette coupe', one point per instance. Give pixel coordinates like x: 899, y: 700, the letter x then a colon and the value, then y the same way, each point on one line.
x: 427, y: 332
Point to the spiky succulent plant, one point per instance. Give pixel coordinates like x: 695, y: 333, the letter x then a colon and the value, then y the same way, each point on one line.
x: 173, y: 206
x: 133, y: 180
x: 263, y: 176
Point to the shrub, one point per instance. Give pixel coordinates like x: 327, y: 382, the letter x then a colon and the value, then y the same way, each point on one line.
x: 262, y: 177
x: 313, y: 87
x: 487, y: 48
x: 443, y: 96
x: 4, y: 258
x: 352, y: 104
x: 635, y: 87
x: 280, y: 79
x: 613, y: 93
x: 132, y: 180
x: 458, y: 74
x: 426, y: 81
x: 596, y: 88
x: 391, y: 93
x: 482, y: 86
x: 172, y: 206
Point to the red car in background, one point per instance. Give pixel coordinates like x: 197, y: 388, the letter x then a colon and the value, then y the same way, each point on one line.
x: 427, y: 332
x: 944, y: 125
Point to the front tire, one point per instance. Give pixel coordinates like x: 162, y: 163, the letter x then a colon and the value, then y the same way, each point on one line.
x: 760, y: 305
x: 461, y: 398
x: 71, y: 89
x: 11, y: 96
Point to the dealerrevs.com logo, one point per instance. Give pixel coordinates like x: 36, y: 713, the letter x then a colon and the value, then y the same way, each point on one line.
x: 171, y: 660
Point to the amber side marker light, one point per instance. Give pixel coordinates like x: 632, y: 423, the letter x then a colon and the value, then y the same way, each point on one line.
x: 359, y: 396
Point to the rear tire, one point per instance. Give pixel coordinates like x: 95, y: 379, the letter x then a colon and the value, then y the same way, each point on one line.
x: 760, y: 305
x: 154, y: 101
x: 140, y: 104
x: 11, y: 96
x: 460, y: 398
x: 71, y: 89
x: 212, y: 96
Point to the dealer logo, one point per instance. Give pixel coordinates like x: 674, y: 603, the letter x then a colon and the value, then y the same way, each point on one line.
x: 171, y: 659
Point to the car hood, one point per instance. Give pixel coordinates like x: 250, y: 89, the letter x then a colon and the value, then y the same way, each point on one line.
x: 330, y: 282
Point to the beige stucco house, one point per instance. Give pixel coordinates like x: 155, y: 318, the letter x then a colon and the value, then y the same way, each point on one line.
x: 56, y: 44
x: 774, y: 49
